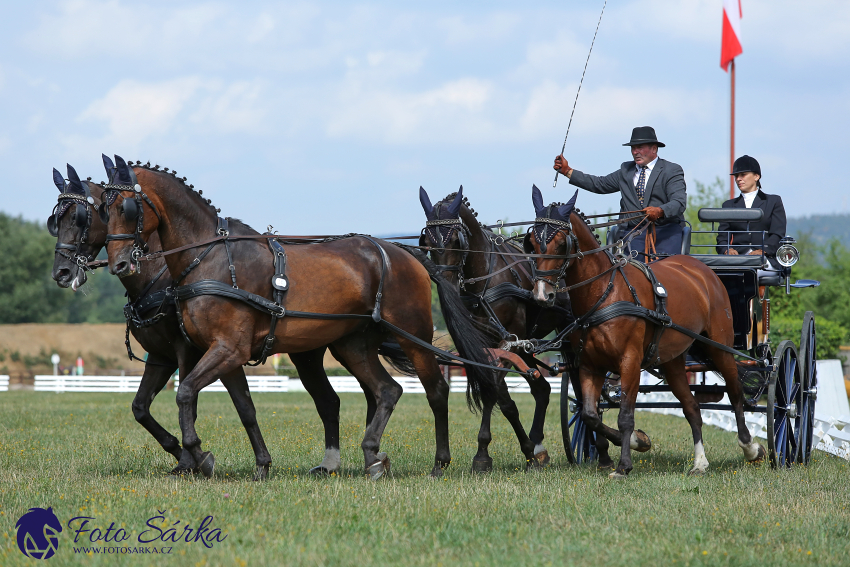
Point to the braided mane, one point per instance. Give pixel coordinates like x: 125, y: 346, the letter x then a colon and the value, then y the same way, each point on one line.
x: 451, y: 197
x: 587, y: 222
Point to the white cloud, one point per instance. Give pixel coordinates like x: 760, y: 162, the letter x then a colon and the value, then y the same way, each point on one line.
x: 134, y: 111
x: 452, y: 110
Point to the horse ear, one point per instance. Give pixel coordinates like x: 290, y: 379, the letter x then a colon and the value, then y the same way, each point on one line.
x: 565, y: 210
x: 537, y: 199
x: 426, y: 204
x: 109, y: 166
x: 454, y: 208
x: 123, y: 170
x: 58, y: 180
x: 75, y: 185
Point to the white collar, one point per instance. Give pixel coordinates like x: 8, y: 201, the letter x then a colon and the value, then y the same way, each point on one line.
x: 649, y: 166
x: 749, y: 198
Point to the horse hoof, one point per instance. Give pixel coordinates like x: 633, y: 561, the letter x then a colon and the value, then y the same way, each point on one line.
x: 179, y: 473
x: 617, y: 475
x: 543, y: 458
x: 379, y: 468
x: 319, y: 471
x: 760, y: 457
x: 480, y: 465
x: 640, y: 441
x: 207, y: 465
x: 696, y: 472
x: 262, y: 473
x: 605, y: 466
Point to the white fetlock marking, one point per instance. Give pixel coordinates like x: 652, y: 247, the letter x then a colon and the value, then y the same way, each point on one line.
x: 539, y: 449
x: 751, y: 450
x: 700, y: 462
x: 633, y: 440
x: 331, y: 461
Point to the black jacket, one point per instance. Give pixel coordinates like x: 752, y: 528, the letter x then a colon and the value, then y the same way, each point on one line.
x: 773, y: 223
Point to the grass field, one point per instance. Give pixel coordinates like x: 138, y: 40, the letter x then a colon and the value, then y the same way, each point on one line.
x: 84, y: 455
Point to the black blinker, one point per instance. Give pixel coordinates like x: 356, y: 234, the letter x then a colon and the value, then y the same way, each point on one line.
x: 103, y: 213
x: 131, y: 210
x: 81, y: 216
x: 51, y: 226
x: 527, y: 247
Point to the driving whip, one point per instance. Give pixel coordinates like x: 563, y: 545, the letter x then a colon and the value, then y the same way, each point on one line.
x: 555, y: 183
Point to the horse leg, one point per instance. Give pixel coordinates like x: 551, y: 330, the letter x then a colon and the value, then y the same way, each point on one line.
x: 482, y: 462
x: 511, y: 413
x: 753, y: 451
x: 360, y: 352
x: 218, y: 361
x: 157, y: 373
x: 371, y: 406
x: 630, y: 382
x: 237, y: 387
x: 437, y: 392
x: 677, y: 379
x: 311, y: 369
x: 540, y: 390
x: 591, y: 388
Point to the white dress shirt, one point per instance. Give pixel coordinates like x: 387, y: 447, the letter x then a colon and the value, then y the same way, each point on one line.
x: 749, y: 198
x: 649, y: 167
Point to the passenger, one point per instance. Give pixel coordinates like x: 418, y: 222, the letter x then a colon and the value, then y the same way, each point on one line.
x: 652, y: 185
x: 747, y: 174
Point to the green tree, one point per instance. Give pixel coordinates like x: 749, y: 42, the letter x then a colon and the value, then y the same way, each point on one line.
x: 28, y: 294
x: 704, y: 196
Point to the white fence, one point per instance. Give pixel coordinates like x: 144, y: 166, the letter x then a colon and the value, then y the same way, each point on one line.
x: 830, y: 431
x: 48, y: 383
x: 4, y: 383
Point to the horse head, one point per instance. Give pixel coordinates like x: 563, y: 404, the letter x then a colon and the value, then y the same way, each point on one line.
x: 552, y: 235
x: 80, y: 234
x: 446, y: 233
x: 130, y: 214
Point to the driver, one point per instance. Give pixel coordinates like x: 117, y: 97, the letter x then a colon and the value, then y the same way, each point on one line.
x: 650, y: 184
x: 747, y: 174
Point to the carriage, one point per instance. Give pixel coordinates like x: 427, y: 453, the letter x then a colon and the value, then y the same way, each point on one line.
x: 779, y: 382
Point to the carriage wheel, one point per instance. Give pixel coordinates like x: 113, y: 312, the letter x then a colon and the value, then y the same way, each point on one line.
x: 809, y: 391
x: 579, y: 441
x: 783, y: 403
x: 565, y: 416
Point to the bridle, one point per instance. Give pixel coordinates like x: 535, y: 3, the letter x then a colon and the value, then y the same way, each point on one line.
x: 82, y: 219
x: 545, y: 230
x: 434, y: 230
x: 133, y: 210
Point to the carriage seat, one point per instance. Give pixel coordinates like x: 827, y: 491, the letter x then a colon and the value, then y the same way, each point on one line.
x: 722, y: 261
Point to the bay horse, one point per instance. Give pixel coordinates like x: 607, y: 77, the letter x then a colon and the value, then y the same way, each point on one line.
x: 697, y: 301
x: 497, y: 290
x: 81, y: 234
x: 346, y: 292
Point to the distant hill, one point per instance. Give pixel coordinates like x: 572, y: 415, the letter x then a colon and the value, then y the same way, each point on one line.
x: 822, y: 227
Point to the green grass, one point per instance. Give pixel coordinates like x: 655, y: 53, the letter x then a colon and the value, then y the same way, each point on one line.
x: 83, y: 454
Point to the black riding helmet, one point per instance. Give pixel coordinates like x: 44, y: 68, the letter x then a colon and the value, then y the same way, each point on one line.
x: 746, y: 163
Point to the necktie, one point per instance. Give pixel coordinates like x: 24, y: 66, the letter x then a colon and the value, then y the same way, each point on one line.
x: 641, y: 184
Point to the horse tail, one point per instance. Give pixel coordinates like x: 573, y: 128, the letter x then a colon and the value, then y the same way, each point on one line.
x: 469, y: 338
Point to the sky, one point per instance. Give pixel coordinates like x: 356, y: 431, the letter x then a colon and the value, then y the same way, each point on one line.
x: 325, y: 117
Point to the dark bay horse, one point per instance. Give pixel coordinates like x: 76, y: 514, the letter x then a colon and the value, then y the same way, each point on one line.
x: 331, y: 288
x: 697, y: 300
x: 81, y: 234
x: 503, y: 300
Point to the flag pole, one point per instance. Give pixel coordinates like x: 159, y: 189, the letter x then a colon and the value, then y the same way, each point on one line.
x: 732, y: 136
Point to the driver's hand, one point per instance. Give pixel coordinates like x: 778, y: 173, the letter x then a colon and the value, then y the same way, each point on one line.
x: 653, y: 213
x: 732, y: 252
x: 561, y: 166
x: 754, y: 253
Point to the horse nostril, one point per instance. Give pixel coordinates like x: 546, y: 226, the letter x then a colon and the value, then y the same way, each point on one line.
x: 121, y: 268
x: 63, y: 274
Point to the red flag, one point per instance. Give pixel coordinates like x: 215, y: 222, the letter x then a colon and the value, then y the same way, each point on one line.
x: 731, y: 44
